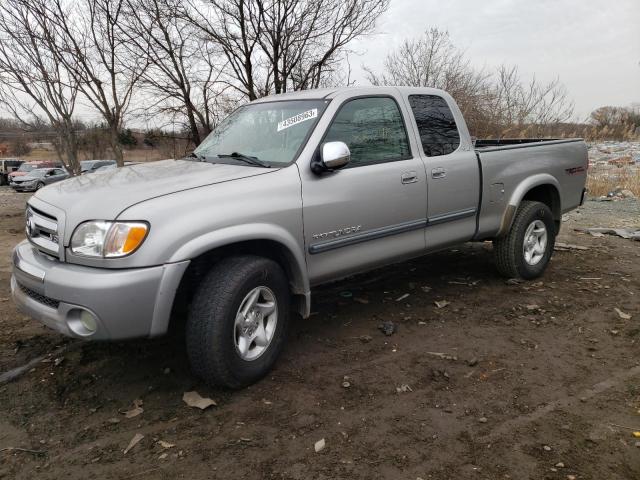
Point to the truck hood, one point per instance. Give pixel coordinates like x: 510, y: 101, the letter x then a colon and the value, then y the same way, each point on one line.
x: 104, y: 195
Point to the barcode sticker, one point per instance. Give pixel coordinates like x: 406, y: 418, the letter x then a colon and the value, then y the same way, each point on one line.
x: 296, y: 119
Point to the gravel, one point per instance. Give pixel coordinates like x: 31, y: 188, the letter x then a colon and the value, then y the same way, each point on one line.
x: 624, y: 213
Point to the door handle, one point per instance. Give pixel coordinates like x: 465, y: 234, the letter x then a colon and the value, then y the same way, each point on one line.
x: 438, y: 173
x: 409, y: 177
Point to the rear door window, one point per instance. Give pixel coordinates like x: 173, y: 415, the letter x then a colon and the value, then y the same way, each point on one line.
x: 436, y: 125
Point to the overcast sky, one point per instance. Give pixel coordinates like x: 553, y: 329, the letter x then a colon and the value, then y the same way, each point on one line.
x: 593, y: 46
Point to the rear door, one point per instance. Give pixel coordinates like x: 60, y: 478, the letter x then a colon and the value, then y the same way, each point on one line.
x: 453, y: 176
x: 373, y: 210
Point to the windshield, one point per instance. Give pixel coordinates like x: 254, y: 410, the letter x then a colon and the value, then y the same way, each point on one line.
x: 26, y: 167
x: 86, y: 165
x: 271, y: 133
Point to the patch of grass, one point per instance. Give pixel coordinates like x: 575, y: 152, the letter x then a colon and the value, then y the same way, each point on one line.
x: 602, y: 180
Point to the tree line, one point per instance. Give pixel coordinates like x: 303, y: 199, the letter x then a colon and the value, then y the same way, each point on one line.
x: 191, y: 62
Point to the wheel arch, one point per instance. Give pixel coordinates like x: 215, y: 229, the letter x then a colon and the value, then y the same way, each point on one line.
x: 542, y: 188
x: 255, y: 239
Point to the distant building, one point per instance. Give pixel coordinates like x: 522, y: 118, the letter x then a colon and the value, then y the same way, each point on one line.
x: 41, y: 146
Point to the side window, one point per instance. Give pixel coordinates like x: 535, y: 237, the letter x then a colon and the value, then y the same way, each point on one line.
x: 373, y: 130
x: 438, y: 131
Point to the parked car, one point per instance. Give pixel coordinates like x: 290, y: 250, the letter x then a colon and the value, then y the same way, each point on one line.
x: 8, y: 165
x: 38, y: 178
x: 27, y: 167
x: 289, y: 192
x: 90, y: 166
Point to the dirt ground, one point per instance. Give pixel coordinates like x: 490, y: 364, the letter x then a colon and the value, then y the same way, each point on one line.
x: 539, y: 380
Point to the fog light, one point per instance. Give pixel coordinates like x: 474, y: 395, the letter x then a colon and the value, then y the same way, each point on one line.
x: 88, y: 321
x: 82, y: 322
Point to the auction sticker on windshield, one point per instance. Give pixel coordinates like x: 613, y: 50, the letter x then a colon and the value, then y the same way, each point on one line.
x: 299, y: 118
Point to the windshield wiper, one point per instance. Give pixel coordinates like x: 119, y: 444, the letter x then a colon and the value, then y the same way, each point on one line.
x: 245, y: 158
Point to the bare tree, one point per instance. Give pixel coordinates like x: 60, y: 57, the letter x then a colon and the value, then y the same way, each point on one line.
x: 92, y: 48
x: 34, y: 87
x: 183, y: 78
x: 518, y: 107
x: 273, y: 46
x: 499, y: 104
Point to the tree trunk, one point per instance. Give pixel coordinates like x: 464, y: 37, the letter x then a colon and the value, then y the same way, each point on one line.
x: 116, y: 147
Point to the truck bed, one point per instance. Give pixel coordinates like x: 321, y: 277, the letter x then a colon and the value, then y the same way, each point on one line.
x: 485, y: 145
x: 511, y: 167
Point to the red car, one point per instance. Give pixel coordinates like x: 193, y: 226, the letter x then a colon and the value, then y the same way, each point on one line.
x: 26, y: 167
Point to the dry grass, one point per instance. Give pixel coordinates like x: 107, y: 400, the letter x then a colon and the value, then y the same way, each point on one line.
x: 602, y: 180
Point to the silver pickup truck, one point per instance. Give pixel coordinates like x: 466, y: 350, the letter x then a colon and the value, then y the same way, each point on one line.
x: 289, y: 192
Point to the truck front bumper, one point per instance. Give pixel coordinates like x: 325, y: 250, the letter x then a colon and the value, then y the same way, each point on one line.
x: 94, y: 303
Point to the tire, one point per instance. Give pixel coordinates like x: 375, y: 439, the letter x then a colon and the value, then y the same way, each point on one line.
x: 213, y: 333
x: 513, y: 258
x: 39, y: 185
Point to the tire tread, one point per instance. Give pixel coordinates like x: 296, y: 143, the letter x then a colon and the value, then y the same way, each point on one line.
x: 209, y: 308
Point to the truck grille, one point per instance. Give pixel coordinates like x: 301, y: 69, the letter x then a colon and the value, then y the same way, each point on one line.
x: 42, y: 231
x: 49, y: 302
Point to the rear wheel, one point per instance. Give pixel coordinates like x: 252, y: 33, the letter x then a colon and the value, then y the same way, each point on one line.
x: 238, y: 321
x: 526, y: 250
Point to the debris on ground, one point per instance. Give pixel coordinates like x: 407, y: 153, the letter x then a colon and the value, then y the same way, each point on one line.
x: 387, y: 327
x: 404, y: 388
x: 561, y: 247
x: 26, y: 450
x: 621, y: 314
x: 361, y: 300
x: 164, y: 444
x: 346, y: 383
x: 627, y: 233
x: 514, y: 281
x: 472, y: 362
x: 319, y: 445
x: 441, y: 303
x: 134, y: 441
x: 135, y: 410
x: 346, y: 294
x: 444, y: 356
x: 193, y: 399
x: 425, y: 288
x: 483, y: 420
x: 365, y: 338
x: 402, y: 297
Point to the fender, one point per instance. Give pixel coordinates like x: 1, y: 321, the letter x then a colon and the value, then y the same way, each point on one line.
x: 518, y: 194
x: 254, y: 231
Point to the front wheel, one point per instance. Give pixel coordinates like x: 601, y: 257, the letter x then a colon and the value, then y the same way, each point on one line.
x: 238, y: 321
x: 39, y: 185
x: 526, y: 250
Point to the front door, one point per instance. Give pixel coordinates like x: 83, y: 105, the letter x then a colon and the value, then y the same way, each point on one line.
x: 373, y: 210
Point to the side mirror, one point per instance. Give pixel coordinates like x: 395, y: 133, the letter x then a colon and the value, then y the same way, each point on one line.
x: 333, y: 156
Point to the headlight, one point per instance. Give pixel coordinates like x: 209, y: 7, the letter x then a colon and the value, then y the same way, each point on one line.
x: 108, y: 239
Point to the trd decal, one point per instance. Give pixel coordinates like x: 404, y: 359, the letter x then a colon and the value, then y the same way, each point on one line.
x: 574, y: 170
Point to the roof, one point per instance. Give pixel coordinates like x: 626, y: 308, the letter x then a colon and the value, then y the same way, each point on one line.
x: 319, y: 93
